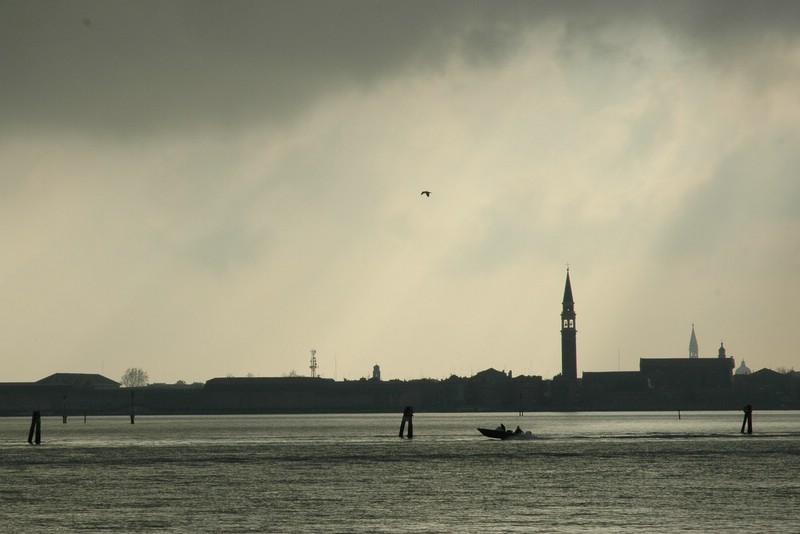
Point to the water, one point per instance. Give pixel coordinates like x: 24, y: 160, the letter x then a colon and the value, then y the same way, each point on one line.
x: 599, y: 472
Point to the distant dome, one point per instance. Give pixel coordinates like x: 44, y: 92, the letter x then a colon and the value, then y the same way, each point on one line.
x: 743, y: 369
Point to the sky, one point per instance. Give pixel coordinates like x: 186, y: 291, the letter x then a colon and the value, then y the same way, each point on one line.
x: 205, y: 189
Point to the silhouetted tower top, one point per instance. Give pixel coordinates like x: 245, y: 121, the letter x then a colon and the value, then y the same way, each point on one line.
x: 721, y: 351
x: 569, y: 352
x: 568, y: 304
x: 693, y: 352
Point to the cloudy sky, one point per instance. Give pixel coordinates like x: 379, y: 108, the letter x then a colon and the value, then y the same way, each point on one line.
x: 204, y: 189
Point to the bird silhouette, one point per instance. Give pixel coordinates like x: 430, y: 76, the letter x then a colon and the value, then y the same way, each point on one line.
x: 426, y: 193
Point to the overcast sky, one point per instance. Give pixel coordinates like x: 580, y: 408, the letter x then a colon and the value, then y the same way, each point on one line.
x: 204, y: 189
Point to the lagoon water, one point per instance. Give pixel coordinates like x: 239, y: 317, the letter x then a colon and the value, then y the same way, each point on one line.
x: 599, y: 472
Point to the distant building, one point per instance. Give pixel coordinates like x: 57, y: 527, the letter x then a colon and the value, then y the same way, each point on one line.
x: 665, y: 375
x: 569, y: 356
x: 83, y: 380
x: 742, y: 370
x: 694, y: 372
x: 768, y: 388
x: 376, y: 372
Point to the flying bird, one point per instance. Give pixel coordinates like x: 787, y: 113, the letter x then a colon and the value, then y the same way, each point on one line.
x: 426, y: 193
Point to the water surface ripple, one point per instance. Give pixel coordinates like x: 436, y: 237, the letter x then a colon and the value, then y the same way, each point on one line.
x: 599, y: 472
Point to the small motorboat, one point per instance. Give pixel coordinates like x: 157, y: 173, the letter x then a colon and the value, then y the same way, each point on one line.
x: 503, y: 433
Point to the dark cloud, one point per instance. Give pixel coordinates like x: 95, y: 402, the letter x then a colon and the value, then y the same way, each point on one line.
x: 149, y: 65
x: 138, y: 67
x: 726, y: 29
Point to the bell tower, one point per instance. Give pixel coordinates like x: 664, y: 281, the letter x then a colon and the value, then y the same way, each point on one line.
x: 569, y: 356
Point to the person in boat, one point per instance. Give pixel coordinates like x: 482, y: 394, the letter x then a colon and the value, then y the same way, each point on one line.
x: 501, y: 428
x: 518, y: 431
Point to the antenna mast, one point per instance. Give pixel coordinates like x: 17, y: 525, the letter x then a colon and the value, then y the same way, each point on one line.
x: 313, y: 365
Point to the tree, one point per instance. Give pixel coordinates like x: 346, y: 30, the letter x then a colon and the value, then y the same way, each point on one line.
x: 135, y: 377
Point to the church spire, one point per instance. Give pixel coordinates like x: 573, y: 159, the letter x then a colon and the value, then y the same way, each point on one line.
x: 693, y: 352
x: 568, y: 301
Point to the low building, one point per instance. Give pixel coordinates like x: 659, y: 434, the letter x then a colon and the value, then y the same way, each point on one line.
x: 79, y: 380
x: 672, y: 374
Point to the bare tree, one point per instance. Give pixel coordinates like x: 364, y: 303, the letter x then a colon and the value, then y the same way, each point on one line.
x: 135, y: 377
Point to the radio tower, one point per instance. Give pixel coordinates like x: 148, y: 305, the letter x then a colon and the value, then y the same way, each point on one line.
x: 313, y: 365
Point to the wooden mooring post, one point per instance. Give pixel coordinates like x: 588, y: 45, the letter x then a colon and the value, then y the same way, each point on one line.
x: 748, y: 419
x: 35, y: 433
x: 132, y: 414
x: 408, y: 417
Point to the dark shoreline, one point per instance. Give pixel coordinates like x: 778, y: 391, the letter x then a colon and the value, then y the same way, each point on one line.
x: 489, y: 391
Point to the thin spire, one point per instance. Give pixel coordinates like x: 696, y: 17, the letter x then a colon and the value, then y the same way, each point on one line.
x: 568, y: 291
x: 693, y: 351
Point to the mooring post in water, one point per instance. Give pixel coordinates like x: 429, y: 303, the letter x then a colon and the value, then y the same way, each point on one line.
x: 35, y: 433
x: 64, y: 409
x: 748, y: 419
x: 132, y: 414
x: 408, y: 415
